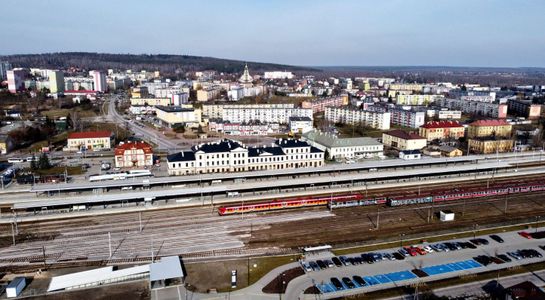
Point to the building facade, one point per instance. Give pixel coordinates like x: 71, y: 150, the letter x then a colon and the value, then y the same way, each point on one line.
x: 264, y: 115
x: 278, y: 75
x: 4, y: 67
x: 208, y: 94
x: 16, y: 80
x: 524, y: 108
x: 479, y: 108
x: 337, y: 148
x: 92, y: 140
x: 416, y: 99
x: 320, y: 104
x: 233, y: 156
x: 99, y: 81
x: 490, y: 145
x: 401, y: 140
x: 133, y: 155
x: 375, y: 119
x: 300, y: 124
x: 56, y: 81
x: 172, y: 116
x: 243, y: 129
x: 489, y: 128
x: 441, y: 130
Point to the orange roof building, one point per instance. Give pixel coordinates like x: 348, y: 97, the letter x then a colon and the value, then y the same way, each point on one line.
x: 133, y: 154
x: 489, y: 128
x: 442, y: 130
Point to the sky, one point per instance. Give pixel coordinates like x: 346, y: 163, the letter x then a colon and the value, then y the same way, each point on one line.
x: 484, y: 33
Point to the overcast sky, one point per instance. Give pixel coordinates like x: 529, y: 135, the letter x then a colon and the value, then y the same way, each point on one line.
x: 298, y: 32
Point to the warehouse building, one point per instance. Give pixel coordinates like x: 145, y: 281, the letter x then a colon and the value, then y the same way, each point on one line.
x: 402, y: 140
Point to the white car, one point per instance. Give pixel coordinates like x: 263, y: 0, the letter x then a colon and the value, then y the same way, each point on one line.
x: 428, y: 249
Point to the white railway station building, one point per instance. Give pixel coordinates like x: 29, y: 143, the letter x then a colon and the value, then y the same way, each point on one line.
x: 233, y: 156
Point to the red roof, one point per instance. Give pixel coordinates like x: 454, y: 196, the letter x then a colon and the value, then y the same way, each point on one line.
x: 442, y: 124
x: 489, y: 123
x: 120, y: 150
x: 90, y: 135
x: 405, y: 135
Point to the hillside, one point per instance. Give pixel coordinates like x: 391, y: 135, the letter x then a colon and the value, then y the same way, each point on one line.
x: 166, y: 63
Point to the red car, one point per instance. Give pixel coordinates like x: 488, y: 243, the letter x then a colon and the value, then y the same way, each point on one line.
x: 412, y: 251
x: 420, y: 251
x: 525, y: 234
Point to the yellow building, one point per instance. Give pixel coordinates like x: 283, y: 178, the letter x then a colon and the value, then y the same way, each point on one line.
x: 441, y: 130
x: 402, y: 140
x: 6, y: 144
x: 179, y: 115
x: 207, y: 94
x: 487, y: 146
x: 488, y: 128
x: 93, y: 140
x: 449, y: 151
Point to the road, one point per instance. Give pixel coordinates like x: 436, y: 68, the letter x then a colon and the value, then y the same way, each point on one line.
x: 148, y: 134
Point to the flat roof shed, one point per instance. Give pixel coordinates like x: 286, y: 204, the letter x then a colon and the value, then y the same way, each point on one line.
x: 167, y: 270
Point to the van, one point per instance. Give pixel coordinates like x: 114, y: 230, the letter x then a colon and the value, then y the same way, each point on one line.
x: 15, y: 160
x: 125, y: 188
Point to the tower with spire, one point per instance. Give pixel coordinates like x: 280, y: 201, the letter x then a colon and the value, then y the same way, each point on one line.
x: 246, y: 79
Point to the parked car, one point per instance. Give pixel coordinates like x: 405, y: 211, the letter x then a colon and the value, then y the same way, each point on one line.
x: 504, y: 257
x: 337, y: 262
x: 329, y: 263
x: 337, y: 283
x: 428, y: 249
x: 525, y: 234
x: 359, y: 280
x: 314, y: 266
x: 348, y: 283
x: 321, y: 264
x: 306, y: 267
x: 496, y: 238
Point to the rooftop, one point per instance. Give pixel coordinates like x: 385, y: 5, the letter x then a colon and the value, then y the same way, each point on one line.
x: 90, y: 135
x: 119, y: 150
x: 291, y: 143
x: 167, y: 268
x: 489, y: 123
x: 404, y: 135
x: 173, y: 108
x: 442, y: 124
x: 264, y: 150
x: 181, y: 156
x: 331, y: 140
x: 219, y: 146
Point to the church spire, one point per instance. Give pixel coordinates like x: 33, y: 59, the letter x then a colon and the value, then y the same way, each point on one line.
x: 246, y: 77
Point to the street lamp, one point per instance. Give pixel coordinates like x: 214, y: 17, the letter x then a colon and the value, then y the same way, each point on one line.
x: 475, y: 229
x: 401, y: 235
x: 537, y: 220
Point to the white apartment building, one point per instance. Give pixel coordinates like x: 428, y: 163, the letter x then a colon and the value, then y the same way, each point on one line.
x: 99, y: 81
x: 233, y: 156
x: 215, y: 111
x: 264, y: 115
x: 486, y: 109
x: 336, y: 148
x: 278, y: 75
x: 300, y: 124
x: 243, y: 129
x: 444, y: 114
x: 374, y: 119
x: 320, y: 104
x: 416, y: 99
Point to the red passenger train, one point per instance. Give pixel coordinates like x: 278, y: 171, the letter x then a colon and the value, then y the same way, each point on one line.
x: 349, y: 200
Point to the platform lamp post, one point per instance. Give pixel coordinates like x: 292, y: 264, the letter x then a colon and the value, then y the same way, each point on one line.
x: 537, y: 222
x: 475, y: 226
x: 401, y: 235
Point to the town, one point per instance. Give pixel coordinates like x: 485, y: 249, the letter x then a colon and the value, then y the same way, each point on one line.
x: 295, y: 150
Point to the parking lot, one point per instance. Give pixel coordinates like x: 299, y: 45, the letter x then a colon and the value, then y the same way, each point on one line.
x: 365, y: 272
